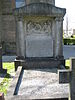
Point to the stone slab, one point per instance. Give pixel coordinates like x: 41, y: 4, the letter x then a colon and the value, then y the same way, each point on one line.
x: 42, y: 84
x: 39, y: 46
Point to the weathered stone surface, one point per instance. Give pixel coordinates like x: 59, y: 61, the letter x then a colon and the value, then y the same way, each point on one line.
x: 37, y: 1
x: 41, y: 84
x: 64, y: 76
x: 72, y: 80
x: 0, y: 22
x: 39, y: 46
x: 38, y: 84
x: 8, y: 30
x: 69, y: 76
x: 0, y: 58
x: 41, y: 21
x: 20, y: 40
x: 7, y: 27
x: 40, y: 9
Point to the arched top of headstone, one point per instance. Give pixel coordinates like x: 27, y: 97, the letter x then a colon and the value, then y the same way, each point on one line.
x: 38, y: 1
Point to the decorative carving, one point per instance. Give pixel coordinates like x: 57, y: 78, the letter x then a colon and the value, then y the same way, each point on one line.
x: 39, y: 27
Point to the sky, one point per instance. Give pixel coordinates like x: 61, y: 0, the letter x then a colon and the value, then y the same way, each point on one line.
x: 70, y: 11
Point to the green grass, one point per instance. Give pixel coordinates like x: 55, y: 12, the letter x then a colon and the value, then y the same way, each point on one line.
x: 8, y: 77
x: 67, y: 64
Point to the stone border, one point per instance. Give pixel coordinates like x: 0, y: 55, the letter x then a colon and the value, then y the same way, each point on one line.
x: 19, y: 97
x: 12, y: 89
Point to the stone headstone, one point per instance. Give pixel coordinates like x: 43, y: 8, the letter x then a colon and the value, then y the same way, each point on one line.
x: 1, y: 68
x: 0, y: 58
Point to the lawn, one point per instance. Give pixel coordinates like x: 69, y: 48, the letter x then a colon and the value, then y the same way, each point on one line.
x: 8, y: 77
x: 67, y: 64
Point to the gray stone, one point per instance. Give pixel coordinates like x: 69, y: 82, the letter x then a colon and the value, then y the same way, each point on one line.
x: 39, y: 32
x: 43, y: 34
x: 69, y: 76
x: 0, y: 58
x: 39, y: 46
x: 72, y: 81
x: 38, y: 84
x: 40, y: 9
x: 41, y: 84
x: 1, y: 67
x: 20, y: 39
x: 37, y: 1
x: 64, y: 76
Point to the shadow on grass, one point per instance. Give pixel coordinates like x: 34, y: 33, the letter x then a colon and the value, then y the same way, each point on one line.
x: 2, y: 75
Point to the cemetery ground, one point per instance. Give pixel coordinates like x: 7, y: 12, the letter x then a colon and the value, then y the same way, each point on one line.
x: 6, y: 79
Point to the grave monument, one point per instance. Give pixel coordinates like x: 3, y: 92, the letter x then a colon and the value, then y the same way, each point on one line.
x: 39, y: 33
x: 39, y: 39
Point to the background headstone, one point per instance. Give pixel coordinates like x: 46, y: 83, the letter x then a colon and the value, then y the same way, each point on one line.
x: 0, y: 57
x: 1, y: 68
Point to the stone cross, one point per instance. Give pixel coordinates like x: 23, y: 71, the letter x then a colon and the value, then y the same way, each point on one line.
x: 68, y: 76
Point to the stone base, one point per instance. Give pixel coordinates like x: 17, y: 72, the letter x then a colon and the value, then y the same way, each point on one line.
x: 3, y: 70
x: 34, y: 63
